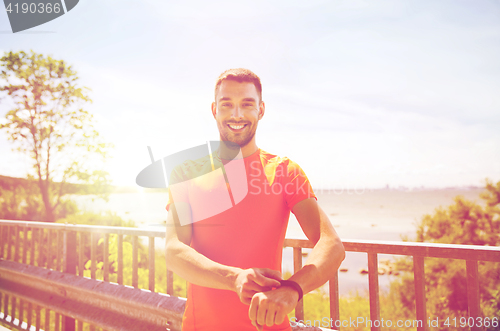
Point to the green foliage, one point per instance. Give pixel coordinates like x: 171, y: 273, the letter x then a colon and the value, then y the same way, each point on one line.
x: 23, y: 202
x: 48, y: 124
x: 106, y: 218
x: 464, y: 222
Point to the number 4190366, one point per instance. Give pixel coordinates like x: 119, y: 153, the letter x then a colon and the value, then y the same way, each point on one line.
x: 34, y: 8
x: 471, y: 322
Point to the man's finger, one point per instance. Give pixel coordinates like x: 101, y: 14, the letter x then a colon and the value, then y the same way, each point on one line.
x: 254, y: 286
x: 252, y: 311
x: 246, y: 296
x: 262, y: 280
x: 262, y: 312
x: 280, y: 317
x: 270, y: 315
x: 270, y: 273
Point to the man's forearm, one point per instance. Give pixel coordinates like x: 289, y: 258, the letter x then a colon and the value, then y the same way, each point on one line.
x: 323, y: 261
x: 198, y: 269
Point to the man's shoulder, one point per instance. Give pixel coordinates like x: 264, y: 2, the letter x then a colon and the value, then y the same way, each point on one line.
x: 274, y: 161
x: 270, y: 158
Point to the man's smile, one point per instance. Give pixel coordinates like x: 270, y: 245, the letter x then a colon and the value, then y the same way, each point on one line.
x: 237, y: 127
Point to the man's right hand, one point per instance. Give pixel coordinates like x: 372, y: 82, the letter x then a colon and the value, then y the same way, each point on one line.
x: 254, y: 280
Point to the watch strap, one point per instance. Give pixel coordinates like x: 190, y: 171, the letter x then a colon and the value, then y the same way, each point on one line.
x: 294, y: 285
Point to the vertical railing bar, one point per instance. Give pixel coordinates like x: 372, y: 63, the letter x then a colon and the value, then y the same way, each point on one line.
x: 473, y: 302
x: 120, y: 259
x: 13, y: 308
x: 80, y: 325
x: 5, y: 306
x: 8, y: 243
x: 297, y: 265
x: 25, y: 243
x: 2, y: 241
x: 38, y: 317
x: 151, y: 263
x: 32, y: 246
x: 333, y: 285
x: 65, y: 321
x: 419, y: 279
x: 38, y: 312
x: 93, y: 247
x: 57, y: 321
x: 65, y: 252
x: 135, y: 276
x: 106, y: 257
x: 374, y: 290
x: 49, y: 249
x: 29, y: 315
x: 21, y: 312
x: 40, y: 249
x: 91, y: 327
x: 80, y: 253
x: 16, y: 248
x: 58, y: 251
x: 47, y: 318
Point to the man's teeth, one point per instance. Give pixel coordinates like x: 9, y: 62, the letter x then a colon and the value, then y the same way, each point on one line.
x: 236, y: 127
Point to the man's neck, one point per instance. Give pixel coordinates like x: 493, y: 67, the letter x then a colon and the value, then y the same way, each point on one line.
x: 249, y: 149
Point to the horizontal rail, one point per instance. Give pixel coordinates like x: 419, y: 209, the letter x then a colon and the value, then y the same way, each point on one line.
x: 87, y: 228
x: 445, y: 251
x: 449, y: 251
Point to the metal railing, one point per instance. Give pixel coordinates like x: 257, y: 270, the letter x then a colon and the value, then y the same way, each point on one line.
x: 32, y: 243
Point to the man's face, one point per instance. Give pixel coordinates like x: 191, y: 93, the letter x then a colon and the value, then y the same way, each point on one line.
x: 237, y: 110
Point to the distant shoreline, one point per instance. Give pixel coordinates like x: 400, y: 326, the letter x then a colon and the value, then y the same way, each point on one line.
x: 8, y: 182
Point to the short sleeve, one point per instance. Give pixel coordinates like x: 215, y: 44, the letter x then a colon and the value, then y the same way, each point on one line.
x: 297, y: 185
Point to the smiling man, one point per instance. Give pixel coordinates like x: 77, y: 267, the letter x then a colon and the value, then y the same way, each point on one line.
x: 232, y: 260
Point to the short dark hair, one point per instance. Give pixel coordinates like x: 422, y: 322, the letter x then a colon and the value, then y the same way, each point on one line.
x: 239, y: 75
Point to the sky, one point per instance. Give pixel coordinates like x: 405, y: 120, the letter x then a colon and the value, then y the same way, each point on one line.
x: 361, y: 94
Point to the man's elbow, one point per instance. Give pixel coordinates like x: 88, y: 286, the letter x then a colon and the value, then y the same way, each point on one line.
x: 338, y: 251
x: 341, y: 251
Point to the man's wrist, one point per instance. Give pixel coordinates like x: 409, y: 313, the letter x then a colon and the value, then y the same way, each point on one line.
x: 293, y: 285
x: 233, y: 276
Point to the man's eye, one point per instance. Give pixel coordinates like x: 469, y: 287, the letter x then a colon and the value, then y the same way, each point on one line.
x: 247, y: 105
x: 226, y: 104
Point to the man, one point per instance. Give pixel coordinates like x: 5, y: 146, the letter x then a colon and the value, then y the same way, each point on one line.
x: 232, y: 260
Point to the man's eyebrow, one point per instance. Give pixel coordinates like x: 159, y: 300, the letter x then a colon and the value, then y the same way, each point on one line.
x: 245, y: 99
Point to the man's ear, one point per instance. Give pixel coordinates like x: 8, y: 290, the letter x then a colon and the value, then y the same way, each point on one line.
x: 214, y: 109
x: 262, y: 110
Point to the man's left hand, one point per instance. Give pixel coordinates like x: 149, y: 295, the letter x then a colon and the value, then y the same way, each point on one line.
x: 271, y: 307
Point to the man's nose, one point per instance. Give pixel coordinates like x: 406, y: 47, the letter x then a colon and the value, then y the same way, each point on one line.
x: 237, y: 112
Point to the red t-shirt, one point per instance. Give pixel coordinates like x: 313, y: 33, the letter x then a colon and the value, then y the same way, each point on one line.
x: 249, y: 234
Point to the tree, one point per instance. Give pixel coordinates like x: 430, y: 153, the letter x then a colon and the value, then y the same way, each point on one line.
x: 47, y: 122
x: 468, y: 223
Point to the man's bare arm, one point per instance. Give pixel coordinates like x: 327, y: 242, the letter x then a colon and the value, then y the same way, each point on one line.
x: 200, y: 270
x: 328, y: 252
x: 269, y: 308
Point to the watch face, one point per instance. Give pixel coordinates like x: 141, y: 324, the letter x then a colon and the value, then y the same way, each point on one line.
x: 26, y: 14
x: 204, y: 181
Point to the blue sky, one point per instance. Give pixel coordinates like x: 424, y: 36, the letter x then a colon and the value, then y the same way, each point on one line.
x: 359, y: 93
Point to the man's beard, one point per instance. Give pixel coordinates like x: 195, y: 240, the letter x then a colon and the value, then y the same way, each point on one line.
x: 240, y: 141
